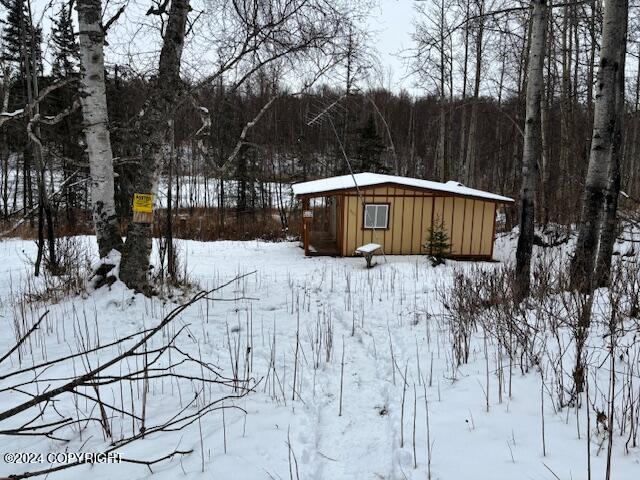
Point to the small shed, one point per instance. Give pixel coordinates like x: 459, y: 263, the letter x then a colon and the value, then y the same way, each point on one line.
x: 342, y: 213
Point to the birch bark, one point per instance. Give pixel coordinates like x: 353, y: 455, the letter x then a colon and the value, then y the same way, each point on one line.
x: 610, y: 214
x: 605, y: 151
x: 532, y: 148
x: 157, y: 132
x: 94, y: 112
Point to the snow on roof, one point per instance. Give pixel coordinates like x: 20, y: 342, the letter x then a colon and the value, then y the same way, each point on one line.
x: 345, y: 182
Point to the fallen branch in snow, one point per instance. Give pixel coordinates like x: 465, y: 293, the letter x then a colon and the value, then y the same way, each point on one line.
x: 148, y: 463
x: 87, y: 377
x: 72, y: 356
x: 168, y: 360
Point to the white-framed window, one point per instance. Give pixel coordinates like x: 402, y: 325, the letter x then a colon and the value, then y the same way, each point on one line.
x: 376, y: 215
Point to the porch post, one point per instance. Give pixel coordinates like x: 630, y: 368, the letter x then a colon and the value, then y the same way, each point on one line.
x: 305, y: 225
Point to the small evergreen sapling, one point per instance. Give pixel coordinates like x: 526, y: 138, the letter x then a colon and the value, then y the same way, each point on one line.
x: 437, y: 243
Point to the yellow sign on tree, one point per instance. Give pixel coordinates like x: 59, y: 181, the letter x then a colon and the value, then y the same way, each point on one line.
x: 143, y: 202
x: 142, y: 208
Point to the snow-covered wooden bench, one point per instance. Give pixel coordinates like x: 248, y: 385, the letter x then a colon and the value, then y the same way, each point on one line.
x: 367, y: 252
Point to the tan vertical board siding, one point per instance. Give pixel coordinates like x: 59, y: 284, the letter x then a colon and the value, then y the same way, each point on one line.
x: 396, y: 222
x: 418, y: 222
x: 427, y: 208
x: 467, y: 225
x: 367, y: 235
x: 348, y: 225
x: 353, y: 225
x: 392, y: 211
x: 414, y: 219
x: 342, y: 225
x: 476, y: 238
x: 487, y: 227
x: 458, y: 222
x: 407, y: 223
x: 447, y: 210
x: 438, y: 212
x: 338, y: 222
x: 377, y: 236
x: 386, y: 238
x: 468, y: 222
x: 360, y: 231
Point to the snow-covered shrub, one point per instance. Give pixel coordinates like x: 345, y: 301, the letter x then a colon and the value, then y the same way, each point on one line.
x: 72, y: 270
x: 171, y: 269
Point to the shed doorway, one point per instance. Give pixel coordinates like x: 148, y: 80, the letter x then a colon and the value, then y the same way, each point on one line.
x: 323, y: 226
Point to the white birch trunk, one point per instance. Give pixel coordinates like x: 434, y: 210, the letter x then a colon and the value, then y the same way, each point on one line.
x: 94, y: 112
x: 532, y: 148
x: 606, y: 143
x: 610, y: 215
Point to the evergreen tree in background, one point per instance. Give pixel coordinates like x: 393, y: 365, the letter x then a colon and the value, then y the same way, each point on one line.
x: 66, y: 52
x: 68, y: 136
x: 369, y: 148
x: 22, y: 47
x: 20, y: 37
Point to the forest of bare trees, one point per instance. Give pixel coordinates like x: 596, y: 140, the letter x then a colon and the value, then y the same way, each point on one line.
x: 510, y: 96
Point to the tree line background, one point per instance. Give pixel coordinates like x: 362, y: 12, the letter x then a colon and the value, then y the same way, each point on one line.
x: 237, y: 145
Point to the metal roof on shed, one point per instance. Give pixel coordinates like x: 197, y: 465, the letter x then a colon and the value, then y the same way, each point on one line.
x: 346, y: 182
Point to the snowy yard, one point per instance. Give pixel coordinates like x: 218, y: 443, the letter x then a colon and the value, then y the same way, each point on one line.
x: 294, y: 326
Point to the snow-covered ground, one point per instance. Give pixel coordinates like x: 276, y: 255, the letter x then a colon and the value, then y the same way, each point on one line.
x: 384, y: 322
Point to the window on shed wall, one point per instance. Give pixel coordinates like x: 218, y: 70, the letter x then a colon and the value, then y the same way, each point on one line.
x: 376, y: 215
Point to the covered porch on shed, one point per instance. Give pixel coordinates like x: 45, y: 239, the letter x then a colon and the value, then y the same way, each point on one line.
x: 322, y: 224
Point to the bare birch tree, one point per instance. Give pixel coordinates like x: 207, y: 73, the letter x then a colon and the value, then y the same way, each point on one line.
x: 610, y: 215
x: 532, y: 149
x: 94, y: 112
x: 603, y: 182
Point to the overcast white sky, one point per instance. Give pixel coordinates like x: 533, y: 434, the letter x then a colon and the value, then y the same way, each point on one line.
x: 391, y: 24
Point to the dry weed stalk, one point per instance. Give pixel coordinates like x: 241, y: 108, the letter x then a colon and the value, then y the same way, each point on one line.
x: 140, y: 362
